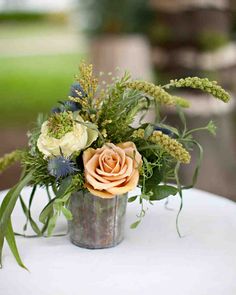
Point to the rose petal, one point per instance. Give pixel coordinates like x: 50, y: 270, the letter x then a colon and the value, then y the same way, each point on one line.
x: 101, y: 194
x: 118, y: 150
x: 90, y: 168
x: 121, y: 172
x: 102, y: 186
x: 127, y: 187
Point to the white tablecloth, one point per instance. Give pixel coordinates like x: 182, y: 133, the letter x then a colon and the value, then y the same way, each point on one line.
x: 151, y: 260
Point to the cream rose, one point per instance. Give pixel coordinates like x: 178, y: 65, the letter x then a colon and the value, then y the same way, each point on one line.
x: 77, y: 139
x: 112, y: 169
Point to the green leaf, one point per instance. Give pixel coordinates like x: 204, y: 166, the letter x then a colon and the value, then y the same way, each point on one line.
x: 25, y: 210
x: 154, y: 180
x: 65, y: 184
x: 148, y: 131
x: 63, y: 199
x: 29, y: 218
x: 52, y: 224
x: 135, y: 224
x: 10, y: 237
x: 132, y: 199
x: 66, y: 212
x: 145, y: 196
x: 8, y: 205
x: 163, y: 191
x: 211, y: 127
x: 48, y: 209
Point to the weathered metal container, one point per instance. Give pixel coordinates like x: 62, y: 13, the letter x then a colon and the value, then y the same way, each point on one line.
x: 97, y: 223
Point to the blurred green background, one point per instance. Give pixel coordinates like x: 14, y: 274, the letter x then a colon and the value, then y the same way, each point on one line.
x: 32, y: 79
x: 43, y: 41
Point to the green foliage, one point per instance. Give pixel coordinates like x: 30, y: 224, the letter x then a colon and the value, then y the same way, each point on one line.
x: 6, y: 209
x: 119, y: 108
x: 132, y: 199
x: 163, y: 191
x: 135, y: 224
x: 211, y: 127
x: 38, y: 165
x: 152, y: 182
x: 10, y: 238
x: 57, y: 205
x: 29, y: 218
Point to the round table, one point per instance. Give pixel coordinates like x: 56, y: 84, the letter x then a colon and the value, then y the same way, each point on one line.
x: 152, y: 259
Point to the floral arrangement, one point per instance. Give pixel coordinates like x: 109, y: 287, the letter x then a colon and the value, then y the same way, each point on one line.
x: 88, y: 142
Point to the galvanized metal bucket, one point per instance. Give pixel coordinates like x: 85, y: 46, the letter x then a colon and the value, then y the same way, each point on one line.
x: 97, y: 223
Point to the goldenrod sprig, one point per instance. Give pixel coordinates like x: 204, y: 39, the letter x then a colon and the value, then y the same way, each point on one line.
x: 168, y: 144
x: 88, y: 82
x: 203, y: 84
x: 9, y: 159
x: 159, y: 94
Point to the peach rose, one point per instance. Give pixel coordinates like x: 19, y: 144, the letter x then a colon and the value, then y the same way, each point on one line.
x: 112, y: 169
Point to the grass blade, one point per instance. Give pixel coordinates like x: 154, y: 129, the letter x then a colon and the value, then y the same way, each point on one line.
x: 10, y: 237
x: 7, y: 207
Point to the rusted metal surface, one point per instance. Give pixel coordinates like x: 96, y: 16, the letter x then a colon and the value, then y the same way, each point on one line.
x: 97, y: 223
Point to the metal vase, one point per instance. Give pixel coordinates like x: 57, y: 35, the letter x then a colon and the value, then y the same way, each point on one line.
x: 97, y: 223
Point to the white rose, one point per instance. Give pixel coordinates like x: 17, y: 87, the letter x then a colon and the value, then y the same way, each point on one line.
x: 77, y: 139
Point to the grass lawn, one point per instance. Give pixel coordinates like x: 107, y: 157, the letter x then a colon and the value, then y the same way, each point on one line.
x: 33, y: 84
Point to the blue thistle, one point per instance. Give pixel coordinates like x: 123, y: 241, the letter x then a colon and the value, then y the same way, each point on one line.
x: 71, y: 106
x: 56, y: 110
x: 77, y: 91
x: 61, y: 167
x: 67, y: 106
x: 164, y: 131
